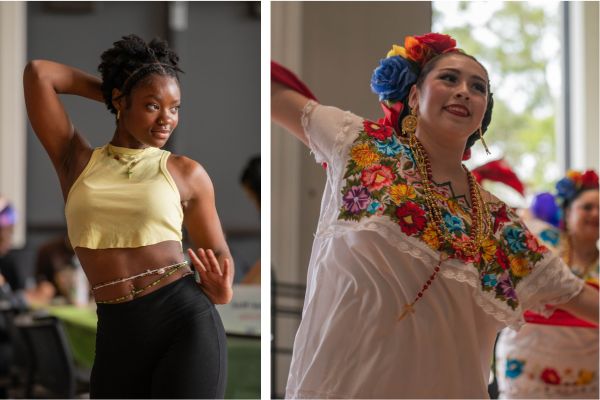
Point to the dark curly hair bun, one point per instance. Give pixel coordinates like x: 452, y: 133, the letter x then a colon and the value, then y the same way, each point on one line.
x: 130, y: 60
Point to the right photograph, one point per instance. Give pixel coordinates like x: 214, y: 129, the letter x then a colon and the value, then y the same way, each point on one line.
x: 434, y: 199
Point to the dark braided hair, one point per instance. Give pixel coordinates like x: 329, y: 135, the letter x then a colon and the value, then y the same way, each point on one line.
x: 487, y: 117
x: 130, y: 60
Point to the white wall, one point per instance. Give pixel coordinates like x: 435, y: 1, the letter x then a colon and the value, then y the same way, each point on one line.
x: 12, y: 111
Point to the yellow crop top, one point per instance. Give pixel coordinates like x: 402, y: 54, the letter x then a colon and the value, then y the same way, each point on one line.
x: 124, y: 198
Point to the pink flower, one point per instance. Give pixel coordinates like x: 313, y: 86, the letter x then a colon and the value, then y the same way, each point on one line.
x: 376, y: 177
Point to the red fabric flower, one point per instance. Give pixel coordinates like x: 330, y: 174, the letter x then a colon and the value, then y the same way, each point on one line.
x: 376, y: 177
x: 502, y: 259
x: 379, y: 132
x: 417, y: 51
x: 437, y: 41
x: 500, y: 217
x: 411, y: 218
x: 589, y: 180
x: 550, y: 376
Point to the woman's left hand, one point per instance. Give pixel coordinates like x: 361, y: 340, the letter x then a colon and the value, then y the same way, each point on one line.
x: 215, y: 279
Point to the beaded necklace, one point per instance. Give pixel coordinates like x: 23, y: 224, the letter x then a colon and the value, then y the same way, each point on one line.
x: 481, y: 226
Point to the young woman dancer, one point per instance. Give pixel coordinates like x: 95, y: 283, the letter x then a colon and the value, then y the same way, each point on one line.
x: 159, y: 334
x: 414, y: 267
x: 557, y: 357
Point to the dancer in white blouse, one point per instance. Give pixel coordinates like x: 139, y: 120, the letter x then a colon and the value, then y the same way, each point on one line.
x: 414, y: 267
x: 557, y: 357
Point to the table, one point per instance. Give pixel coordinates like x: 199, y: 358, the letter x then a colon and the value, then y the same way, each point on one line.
x: 243, y: 380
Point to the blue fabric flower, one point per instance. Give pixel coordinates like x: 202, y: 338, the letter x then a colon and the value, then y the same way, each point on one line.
x: 453, y: 223
x: 515, y: 237
x: 372, y: 209
x: 489, y: 280
x: 550, y: 236
x: 393, y: 78
x: 566, y: 188
x: 391, y: 147
x: 514, y: 368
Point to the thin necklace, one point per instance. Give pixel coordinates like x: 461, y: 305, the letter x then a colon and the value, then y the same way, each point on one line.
x: 128, y: 160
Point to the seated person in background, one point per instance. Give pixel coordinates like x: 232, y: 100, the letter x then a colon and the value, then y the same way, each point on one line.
x: 11, y: 282
x: 250, y: 181
x: 55, y: 269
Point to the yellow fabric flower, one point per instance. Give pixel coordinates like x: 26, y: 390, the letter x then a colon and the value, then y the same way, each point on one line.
x: 584, y: 377
x: 489, y: 249
x: 363, y: 156
x: 430, y: 237
x: 519, y: 266
x: 401, y: 192
x: 396, y: 51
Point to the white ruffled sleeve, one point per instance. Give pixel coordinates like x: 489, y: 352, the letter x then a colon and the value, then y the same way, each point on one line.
x: 327, y: 129
x: 550, y: 283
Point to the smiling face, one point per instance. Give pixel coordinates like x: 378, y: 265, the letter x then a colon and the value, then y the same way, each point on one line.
x: 149, y: 114
x: 452, y: 99
x: 582, y: 216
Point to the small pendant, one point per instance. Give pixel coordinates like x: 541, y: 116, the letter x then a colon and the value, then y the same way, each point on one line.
x: 408, y: 309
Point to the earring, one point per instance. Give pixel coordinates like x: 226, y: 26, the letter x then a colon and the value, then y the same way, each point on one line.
x: 487, y: 151
x: 409, y: 123
x: 118, y: 114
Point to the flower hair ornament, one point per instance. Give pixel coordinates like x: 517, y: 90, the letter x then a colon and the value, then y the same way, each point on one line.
x: 549, y: 207
x: 400, y: 70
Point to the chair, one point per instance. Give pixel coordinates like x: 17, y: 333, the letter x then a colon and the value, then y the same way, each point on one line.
x: 52, y: 366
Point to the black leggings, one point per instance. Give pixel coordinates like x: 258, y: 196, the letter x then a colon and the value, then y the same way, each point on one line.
x: 167, y: 344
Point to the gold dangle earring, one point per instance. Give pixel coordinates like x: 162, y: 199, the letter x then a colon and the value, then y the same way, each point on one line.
x: 483, y: 142
x: 118, y: 115
x: 409, y: 123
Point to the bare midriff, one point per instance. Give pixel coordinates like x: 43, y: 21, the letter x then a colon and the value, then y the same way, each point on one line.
x: 107, y: 265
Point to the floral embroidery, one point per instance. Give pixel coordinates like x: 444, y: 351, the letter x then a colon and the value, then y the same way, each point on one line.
x: 363, y: 156
x: 381, y: 179
x: 356, y: 199
x: 376, y: 177
x: 514, y: 367
x: 411, y: 218
x: 584, y: 377
x: 550, y: 236
x: 550, y: 376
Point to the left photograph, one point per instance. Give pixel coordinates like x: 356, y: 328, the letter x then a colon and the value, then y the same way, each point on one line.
x: 130, y: 200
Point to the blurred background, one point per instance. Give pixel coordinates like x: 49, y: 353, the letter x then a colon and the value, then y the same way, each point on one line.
x: 542, y: 57
x: 219, y: 48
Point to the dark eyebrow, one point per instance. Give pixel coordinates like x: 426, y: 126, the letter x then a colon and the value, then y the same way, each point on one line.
x: 456, y: 71
x: 152, y: 96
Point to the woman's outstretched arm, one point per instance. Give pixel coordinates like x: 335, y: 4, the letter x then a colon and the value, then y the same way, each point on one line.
x: 584, y: 305
x: 43, y: 81
x: 286, y: 109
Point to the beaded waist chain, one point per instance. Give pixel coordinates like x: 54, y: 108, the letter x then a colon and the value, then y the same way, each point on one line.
x: 165, y: 272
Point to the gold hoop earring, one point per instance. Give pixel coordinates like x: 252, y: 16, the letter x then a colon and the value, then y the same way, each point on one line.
x: 483, y: 142
x: 409, y: 123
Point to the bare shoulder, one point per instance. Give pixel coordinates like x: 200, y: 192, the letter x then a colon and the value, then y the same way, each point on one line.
x: 190, y: 177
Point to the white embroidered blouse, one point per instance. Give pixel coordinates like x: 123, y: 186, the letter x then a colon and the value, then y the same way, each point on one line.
x: 374, y: 249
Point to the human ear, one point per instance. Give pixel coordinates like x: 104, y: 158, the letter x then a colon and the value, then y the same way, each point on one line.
x: 117, y: 99
x: 413, y: 98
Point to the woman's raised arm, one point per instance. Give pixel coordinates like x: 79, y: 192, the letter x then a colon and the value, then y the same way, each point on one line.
x: 43, y: 81
x: 286, y: 109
